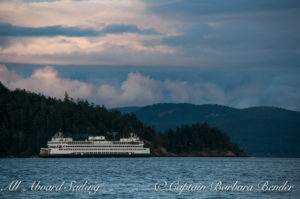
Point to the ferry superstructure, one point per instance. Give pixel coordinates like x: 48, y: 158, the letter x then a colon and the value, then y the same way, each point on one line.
x: 94, y: 146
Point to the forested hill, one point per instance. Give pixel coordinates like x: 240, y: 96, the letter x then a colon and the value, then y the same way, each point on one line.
x: 28, y: 120
x: 260, y: 131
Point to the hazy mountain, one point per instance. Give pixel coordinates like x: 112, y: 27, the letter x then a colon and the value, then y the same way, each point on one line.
x: 259, y: 131
x: 129, y: 109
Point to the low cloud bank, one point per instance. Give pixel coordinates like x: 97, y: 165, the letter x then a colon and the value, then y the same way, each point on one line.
x: 139, y: 90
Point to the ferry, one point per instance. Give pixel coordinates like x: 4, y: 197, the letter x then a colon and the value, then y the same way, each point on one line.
x: 94, y: 146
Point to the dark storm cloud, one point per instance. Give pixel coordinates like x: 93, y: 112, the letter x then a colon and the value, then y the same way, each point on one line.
x: 236, y: 33
x: 228, y: 86
x: 122, y: 28
x: 51, y: 31
x: 266, y: 23
x: 265, y: 32
x: 216, y: 7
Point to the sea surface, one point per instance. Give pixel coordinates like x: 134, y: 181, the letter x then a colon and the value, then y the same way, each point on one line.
x: 195, y: 177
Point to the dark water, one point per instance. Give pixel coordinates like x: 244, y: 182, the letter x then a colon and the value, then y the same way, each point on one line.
x: 141, y: 177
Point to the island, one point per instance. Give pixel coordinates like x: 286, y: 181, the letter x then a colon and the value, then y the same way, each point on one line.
x: 28, y: 120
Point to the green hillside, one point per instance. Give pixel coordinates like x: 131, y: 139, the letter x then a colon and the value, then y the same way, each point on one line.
x: 259, y: 131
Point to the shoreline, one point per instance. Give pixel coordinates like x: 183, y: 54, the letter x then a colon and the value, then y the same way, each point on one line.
x: 154, y: 157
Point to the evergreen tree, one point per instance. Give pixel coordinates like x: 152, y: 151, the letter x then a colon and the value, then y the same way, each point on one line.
x: 28, y: 120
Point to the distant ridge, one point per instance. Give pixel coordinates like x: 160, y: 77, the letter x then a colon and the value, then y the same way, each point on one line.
x: 129, y: 109
x: 259, y: 131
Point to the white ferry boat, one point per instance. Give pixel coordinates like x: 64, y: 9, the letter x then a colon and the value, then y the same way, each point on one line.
x: 94, y: 146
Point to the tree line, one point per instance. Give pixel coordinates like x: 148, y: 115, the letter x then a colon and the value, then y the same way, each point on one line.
x: 28, y: 120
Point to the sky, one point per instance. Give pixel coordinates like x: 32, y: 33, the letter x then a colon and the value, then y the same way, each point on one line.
x: 238, y: 53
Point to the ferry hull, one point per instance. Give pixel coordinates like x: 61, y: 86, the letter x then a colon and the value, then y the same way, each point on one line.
x: 94, y: 146
x: 93, y: 155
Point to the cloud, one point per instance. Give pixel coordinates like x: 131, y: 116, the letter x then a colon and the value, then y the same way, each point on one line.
x: 109, y: 32
x: 112, y: 49
x: 46, y: 81
x: 215, y: 7
x: 235, y: 33
x: 179, y: 90
x: 39, y: 1
x: 124, y: 28
x: 136, y: 90
x: 139, y: 89
x: 258, y: 38
x: 90, y: 13
x: 51, y: 31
